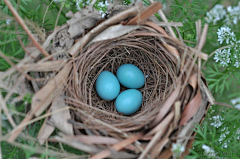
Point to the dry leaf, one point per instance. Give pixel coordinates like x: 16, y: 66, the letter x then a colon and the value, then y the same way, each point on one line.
x: 47, y: 94
x: 191, y: 108
x: 114, y: 32
x: 45, y: 131
x: 60, y: 119
x: 193, y: 80
x: 158, y: 148
x: 167, y: 105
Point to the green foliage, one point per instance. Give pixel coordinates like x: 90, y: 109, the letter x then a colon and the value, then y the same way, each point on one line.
x: 187, y: 13
x: 223, y: 81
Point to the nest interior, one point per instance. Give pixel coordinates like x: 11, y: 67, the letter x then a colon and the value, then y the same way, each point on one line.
x: 148, y: 54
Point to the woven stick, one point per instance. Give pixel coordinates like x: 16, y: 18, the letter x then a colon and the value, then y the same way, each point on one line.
x: 164, y: 18
x: 117, y: 147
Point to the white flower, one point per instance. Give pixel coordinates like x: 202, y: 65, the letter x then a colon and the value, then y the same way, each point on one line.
x: 101, y: 4
x: 236, y: 102
x: 8, y: 21
x: 215, y: 14
x: 224, y: 33
x: 217, y: 121
x: 209, y: 152
x: 223, y: 56
x: 225, y: 130
x: 237, y: 106
x: 238, y: 133
x: 237, y: 46
x: 78, y: 4
x: 177, y: 149
x: 233, y: 14
x: 223, y: 136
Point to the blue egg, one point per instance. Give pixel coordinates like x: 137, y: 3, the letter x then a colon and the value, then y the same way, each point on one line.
x: 129, y: 101
x: 130, y: 76
x: 107, y: 85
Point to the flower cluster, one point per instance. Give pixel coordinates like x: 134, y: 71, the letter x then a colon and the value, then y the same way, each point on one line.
x: 79, y: 3
x: 177, y: 149
x: 103, y: 7
x: 233, y: 15
x: 223, y: 142
x: 218, y: 12
x: 215, y: 14
x: 223, y: 56
x: 208, y: 151
x: 217, y: 121
x: 225, y: 34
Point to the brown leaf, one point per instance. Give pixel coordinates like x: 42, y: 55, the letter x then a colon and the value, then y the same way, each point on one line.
x: 59, y: 119
x: 47, y: 94
x: 193, y: 80
x: 158, y: 148
x: 167, y: 105
x: 177, y: 113
x: 166, y: 154
x: 191, y: 109
x: 145, y: 14
x: 45, y: 131
x: 114, y: 32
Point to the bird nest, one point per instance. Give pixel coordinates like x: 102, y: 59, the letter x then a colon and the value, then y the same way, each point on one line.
x: 175, y: 94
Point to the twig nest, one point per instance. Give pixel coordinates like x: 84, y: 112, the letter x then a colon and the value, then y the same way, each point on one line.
x: 174, y: 94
